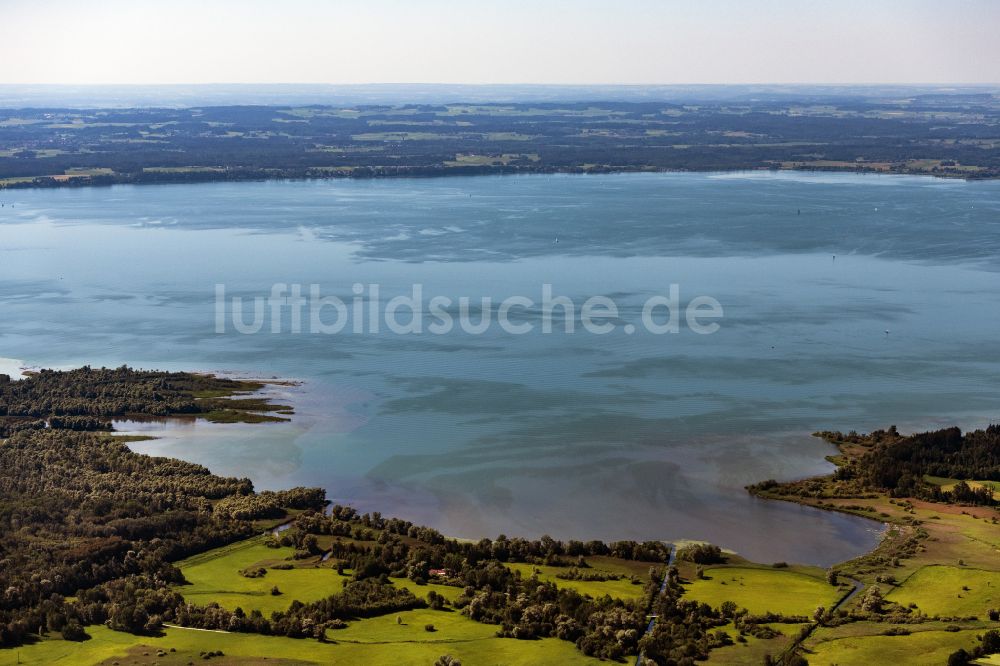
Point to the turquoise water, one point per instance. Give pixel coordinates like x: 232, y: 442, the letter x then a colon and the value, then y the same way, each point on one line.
x: 576, y: 435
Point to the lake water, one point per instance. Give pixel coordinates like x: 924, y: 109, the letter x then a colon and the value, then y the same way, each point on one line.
x: 577, y: 435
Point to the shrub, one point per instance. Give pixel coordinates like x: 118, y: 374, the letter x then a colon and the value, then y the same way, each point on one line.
x: 74, y: 632
x: 896, y: 631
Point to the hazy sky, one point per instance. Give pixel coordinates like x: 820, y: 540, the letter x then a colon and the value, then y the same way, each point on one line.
x: 500, y: 41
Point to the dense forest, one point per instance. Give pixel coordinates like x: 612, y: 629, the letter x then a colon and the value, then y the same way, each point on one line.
x: 950, y: 135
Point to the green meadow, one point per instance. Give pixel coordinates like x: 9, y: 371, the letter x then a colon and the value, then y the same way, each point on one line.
x: 760, y: 590
x: 375, y: 641
x: 948, y: 484
x: 215, y: 577
x: 753, y: 650
x: 921, y: 648
x: 622, y: 588
x: 950, y: 591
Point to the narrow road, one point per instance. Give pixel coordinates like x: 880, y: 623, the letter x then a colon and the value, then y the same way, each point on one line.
x: 858, y: 586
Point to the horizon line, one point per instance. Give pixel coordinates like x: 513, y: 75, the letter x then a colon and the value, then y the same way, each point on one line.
x: 526, y: 84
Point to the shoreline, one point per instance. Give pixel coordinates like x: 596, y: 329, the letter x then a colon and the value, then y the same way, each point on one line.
x: 61, y: 181
x: 281, y: 416
x: 193, y: 420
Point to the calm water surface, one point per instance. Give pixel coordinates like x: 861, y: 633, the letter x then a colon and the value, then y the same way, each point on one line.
x: 576, y: 435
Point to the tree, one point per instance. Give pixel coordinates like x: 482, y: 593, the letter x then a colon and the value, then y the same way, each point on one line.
x: 958, y: 658
x: 872, y: 601
x: 991, y: 642
x: 74, y: 632
x: 701, y: 553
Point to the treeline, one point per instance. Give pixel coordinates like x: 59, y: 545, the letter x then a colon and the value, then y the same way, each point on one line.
x: 346, y: 521
x: 268, y: 503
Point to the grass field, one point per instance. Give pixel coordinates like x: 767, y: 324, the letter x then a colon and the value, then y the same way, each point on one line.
x: 938, y: 590
x: 375, y: 641
x: 449, y: 592
x: 403, y: 136
x: 184, y: 169
x: 764, y: 589
x: 450, y: 626
x: 215, y: 576
x: 930, y: 648
x: 621, y: 589
x: 754, y: 650
x: 489, y: 160
x: 948, y: 484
